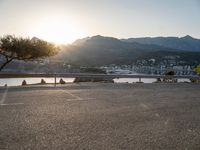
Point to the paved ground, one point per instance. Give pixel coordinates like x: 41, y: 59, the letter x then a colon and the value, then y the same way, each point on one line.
x: 94, y: 116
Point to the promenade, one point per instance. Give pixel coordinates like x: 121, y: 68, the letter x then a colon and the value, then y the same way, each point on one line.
x: 100, y: 116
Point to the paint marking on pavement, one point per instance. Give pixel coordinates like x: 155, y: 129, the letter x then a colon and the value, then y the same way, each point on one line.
x: 12, y: 104
x: 76, y: 98
x: 3, y: 99
x: 4, y: 96
x: 144, y: 106
x: 82, y: 99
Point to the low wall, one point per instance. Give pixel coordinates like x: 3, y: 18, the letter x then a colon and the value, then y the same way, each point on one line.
x: 93, y: 79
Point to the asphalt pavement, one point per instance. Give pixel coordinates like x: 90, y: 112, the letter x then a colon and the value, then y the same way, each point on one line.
x: 100, y: 116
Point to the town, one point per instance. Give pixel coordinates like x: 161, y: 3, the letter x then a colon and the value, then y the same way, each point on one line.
x: 150, y: 67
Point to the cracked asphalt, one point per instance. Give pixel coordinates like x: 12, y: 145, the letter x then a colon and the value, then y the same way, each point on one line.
x: 100, y: 116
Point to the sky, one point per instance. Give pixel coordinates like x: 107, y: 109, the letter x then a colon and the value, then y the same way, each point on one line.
x: 63, y: 21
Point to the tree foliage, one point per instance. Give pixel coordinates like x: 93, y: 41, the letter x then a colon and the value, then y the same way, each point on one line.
x: 197, y: 69
x: 19, y: 48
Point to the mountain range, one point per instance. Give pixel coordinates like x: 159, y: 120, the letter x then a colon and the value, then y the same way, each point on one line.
x: 99, y: 50
x: 186, y: 43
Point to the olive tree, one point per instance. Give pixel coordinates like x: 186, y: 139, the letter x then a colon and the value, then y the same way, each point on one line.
x: 18, y: 48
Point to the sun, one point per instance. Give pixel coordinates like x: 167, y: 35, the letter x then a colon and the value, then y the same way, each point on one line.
x: 58, y: 30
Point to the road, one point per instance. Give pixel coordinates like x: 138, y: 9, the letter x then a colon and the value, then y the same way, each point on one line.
x: 101, y: 116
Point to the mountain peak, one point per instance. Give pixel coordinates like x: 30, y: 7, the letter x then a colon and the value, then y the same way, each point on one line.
x: 103, y: 39
x: 97, y: 37
x: 35, y: 39
x: 187, y: 37
x: 100, y: 37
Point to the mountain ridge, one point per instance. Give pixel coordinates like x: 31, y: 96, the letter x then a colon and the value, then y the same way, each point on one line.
x: 186, y: 43
x: 100, y: 50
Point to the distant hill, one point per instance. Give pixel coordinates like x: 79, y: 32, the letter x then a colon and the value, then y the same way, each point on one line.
x: 186, y: 43
x: 99, y: 50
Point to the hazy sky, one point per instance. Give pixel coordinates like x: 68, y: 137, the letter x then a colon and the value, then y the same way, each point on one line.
x: 65, y: 20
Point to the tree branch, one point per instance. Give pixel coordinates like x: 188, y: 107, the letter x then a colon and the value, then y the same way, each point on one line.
x: 4, y: 64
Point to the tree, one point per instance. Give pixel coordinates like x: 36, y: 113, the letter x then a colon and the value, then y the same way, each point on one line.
x: 197, y: 69
x: 18, y: 48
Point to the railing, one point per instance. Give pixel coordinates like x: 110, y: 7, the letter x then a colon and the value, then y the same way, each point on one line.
x: 83, y: 75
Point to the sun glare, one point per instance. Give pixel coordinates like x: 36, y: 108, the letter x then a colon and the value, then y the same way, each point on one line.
x: 58, y: 30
